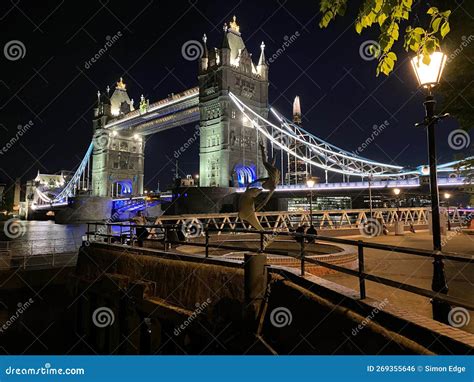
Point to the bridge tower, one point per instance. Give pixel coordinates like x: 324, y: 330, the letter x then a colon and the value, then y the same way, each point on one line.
x: 229, y: 145
x: 118, y: 157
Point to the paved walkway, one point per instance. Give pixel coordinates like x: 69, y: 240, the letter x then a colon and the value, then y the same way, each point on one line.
x: 415, y: 270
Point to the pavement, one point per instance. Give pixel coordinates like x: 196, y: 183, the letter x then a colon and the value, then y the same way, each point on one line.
x: 409, y: 269
x: 415, y: 270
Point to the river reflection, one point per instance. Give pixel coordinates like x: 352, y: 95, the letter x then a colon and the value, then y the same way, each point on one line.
x: 43, y: 237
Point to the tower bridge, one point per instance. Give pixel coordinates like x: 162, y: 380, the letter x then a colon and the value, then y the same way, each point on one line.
x: 232, y: 107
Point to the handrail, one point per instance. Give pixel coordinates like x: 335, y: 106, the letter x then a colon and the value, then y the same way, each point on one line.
x: 437, y: 296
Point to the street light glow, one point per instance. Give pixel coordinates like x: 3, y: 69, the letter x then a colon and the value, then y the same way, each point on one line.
x: 310, y: 182
x: 429, y: 75
x: 396, y: 191
x: 447, y: 195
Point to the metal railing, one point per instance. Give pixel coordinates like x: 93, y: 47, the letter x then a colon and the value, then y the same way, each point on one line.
x: 439, y: 297
x: 322, y: 219
x: 37, y: 254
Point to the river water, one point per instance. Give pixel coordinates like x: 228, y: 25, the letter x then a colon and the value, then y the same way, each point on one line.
x: 40, y: 237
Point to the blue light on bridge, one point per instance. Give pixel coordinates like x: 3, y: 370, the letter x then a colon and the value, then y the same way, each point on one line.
x: 245, y: 174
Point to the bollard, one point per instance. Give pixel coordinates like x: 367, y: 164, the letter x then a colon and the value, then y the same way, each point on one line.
x: 255, y: 284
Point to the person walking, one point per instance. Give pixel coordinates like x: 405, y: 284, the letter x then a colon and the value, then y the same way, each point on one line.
x: 140, y: 231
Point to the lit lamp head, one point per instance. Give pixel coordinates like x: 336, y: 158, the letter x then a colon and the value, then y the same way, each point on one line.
x: 447, y: 195
x: 196, y: 176
x: 429, y: 75
x: 396, y: 191
x: 310, y: 182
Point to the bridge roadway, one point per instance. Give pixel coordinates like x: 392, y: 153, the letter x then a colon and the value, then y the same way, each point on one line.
x: 376, y: 184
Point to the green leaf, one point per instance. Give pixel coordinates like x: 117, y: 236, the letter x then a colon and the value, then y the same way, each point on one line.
x: 395, y: 34
x: 358, y: 27
x: 381, y: 19
x: 426, y: 59
x: 392, y: 56
x: 445, y: 29
x: 435, y: 24
x: 430, y: 46
x: 432, y: 11
x: 419, y: 31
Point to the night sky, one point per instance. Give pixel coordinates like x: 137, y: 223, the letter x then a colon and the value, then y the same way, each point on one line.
x: 341, y: 97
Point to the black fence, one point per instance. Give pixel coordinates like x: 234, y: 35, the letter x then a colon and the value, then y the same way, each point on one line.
x: 175, y: 234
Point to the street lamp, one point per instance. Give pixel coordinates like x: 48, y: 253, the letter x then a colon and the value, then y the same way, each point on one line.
x: 447, y: 195
x: 197, y: 179
x: 397, y: 191
x: 310, y: 182
x: 428, y: 76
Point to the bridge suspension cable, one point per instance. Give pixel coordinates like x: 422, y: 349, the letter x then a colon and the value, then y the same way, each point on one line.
x: 80, y: 177
x: 314, y: 151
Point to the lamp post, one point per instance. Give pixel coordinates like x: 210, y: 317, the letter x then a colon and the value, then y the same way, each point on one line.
x: 428, y: 76
x: 370, y: 197
x: 397, y: 191
x: 310, y: 182
x: 447, y: 195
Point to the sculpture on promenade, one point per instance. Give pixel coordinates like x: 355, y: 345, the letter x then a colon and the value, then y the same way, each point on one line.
x: 247, y: 208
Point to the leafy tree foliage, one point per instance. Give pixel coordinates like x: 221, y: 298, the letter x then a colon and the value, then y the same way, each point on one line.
x: 388, y: 15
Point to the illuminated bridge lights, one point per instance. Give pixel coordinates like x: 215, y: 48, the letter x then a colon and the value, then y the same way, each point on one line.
x: 184, y: 107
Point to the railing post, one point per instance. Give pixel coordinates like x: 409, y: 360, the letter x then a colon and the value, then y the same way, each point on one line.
x: 87, y: 233
x: 109, y: 233
x: 206, y: 232
x: 302, y: 255
x: 261, y: 242
x: 131, y: 236
x: 360, y: 252
x: 255, y: 284
x: 439, y: 285
x: 165, y: 239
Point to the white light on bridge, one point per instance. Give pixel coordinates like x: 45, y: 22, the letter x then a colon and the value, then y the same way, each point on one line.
x: 310, y: 182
